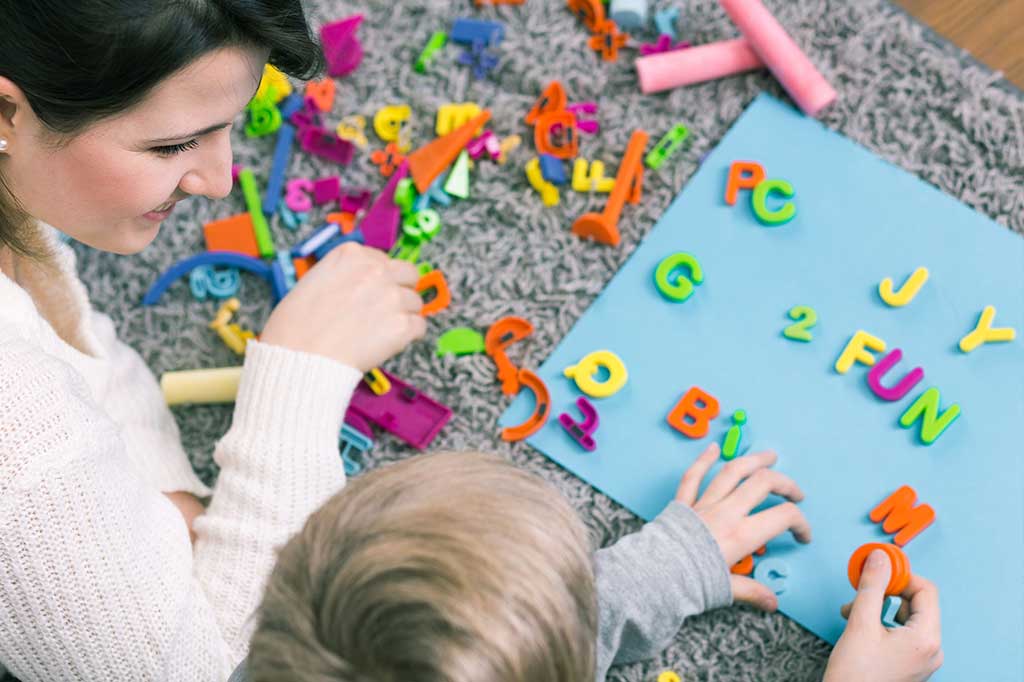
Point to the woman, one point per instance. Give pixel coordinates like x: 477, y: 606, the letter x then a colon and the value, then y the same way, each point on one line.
x: 112, y: 111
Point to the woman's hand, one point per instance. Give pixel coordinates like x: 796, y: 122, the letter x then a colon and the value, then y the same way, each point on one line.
x: 869, y: 651
x: 740, y: 486
x: 356, y: 306
x: 190, y: 507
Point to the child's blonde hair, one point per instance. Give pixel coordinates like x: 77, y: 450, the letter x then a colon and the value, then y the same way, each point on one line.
x: 453, y: 567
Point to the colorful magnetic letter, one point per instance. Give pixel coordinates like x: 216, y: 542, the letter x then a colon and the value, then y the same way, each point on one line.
x: 984, y: 332
x: 552, y: 99
x: 926, y: 407
x: 422, y: 226
x: 436, y: 42
x: 890, y: 608
x: 296, y: 197
x: 377, y: 382
x: 539, y: 417
x: 805, y: 318
x: 353, y: 129
x: 548, y: 192
x: 583, y: 373
x: 731, y: 445
x: 693, y: 413
x: 900, y: 516
x: 207, y: 281
x: 857, y: 351
x: 772, y: 573
x: 903, y: 387
x: 387, y: 122
x: 322, y: 93
x: 452, y: 116
x: 900, y: 576
x: 264, y: 119
x: 405, y: 195
x: 667, y: 146
x: 682, y: 288
x: 666, y: 20
x: 742, y: 175
x: 583, y: 432
x: 589, y: 177
x: 434, y: 280
x: 744, y: 566
x: 759, y: 202
x: 552, y: 169
x: 907, y: 292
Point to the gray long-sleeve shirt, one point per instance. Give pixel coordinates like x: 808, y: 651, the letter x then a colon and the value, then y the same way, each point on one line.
x: 648, y: 583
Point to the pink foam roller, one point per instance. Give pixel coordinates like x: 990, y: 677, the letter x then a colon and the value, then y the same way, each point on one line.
x: 695, y: 65
x: 787, y: 62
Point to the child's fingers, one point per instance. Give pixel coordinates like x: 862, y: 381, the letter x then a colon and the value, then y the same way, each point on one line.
x: 761, y: 527
x: 924, y: 606
x: 760, y: 485
x: 866, y: 610
x: 694, y: 476
x: 748, y: 591
x: 734, y: 472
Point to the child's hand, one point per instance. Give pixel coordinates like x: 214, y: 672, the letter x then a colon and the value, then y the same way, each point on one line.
x: 357, y: 306
x: 741, y: 485
x: 871, y: 652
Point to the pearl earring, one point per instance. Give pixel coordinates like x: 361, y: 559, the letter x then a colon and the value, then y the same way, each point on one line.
x: 3, y: 144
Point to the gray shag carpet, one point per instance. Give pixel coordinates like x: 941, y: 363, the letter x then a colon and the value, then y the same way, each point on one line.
x: 906, y: 94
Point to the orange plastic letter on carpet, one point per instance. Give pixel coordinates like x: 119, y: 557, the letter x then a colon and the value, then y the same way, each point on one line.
x: 700, y: 407
x: 443, y: 298
x: 742, y: 175
x: 901, y: 516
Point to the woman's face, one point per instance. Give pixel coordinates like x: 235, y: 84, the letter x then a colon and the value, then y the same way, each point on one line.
x: 112, y: 185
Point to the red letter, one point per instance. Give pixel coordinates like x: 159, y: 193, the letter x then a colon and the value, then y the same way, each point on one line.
x: 901, y: 515
x: 700, y: 414
x: 737, y: 179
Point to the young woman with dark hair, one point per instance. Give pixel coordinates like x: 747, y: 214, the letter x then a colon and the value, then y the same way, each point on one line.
x: 112, y: 111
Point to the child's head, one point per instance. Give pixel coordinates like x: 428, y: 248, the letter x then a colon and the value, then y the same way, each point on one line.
x: 454, y: 567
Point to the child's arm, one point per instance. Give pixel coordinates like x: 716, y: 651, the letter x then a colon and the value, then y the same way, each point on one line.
x: 678, y: 565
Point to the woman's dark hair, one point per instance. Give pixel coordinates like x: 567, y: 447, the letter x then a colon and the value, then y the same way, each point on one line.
x: 80, y: 61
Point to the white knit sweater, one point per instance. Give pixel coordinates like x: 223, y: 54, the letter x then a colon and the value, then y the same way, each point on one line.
x: 98, y: 579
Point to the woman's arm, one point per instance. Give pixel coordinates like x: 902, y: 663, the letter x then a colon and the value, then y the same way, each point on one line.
x: 279, y: 463
x: 97, y: 576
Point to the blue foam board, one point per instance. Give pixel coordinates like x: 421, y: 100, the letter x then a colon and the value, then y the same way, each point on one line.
x: 859, y: 219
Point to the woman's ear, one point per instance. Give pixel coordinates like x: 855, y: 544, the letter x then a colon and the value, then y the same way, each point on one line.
x: 14, y: 111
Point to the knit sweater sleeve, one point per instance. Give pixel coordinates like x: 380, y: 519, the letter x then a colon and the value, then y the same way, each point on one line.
x: 98, y: 579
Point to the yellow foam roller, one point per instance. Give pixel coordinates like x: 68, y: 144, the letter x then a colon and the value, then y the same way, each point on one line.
x: 201, y: 386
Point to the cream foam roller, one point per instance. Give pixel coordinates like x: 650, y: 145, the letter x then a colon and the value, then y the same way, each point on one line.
x: 695, y: 65
x: 201, y: 386
x: 787, y: 62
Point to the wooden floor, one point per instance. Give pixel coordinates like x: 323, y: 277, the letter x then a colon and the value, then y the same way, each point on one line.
x: 991, y: 30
